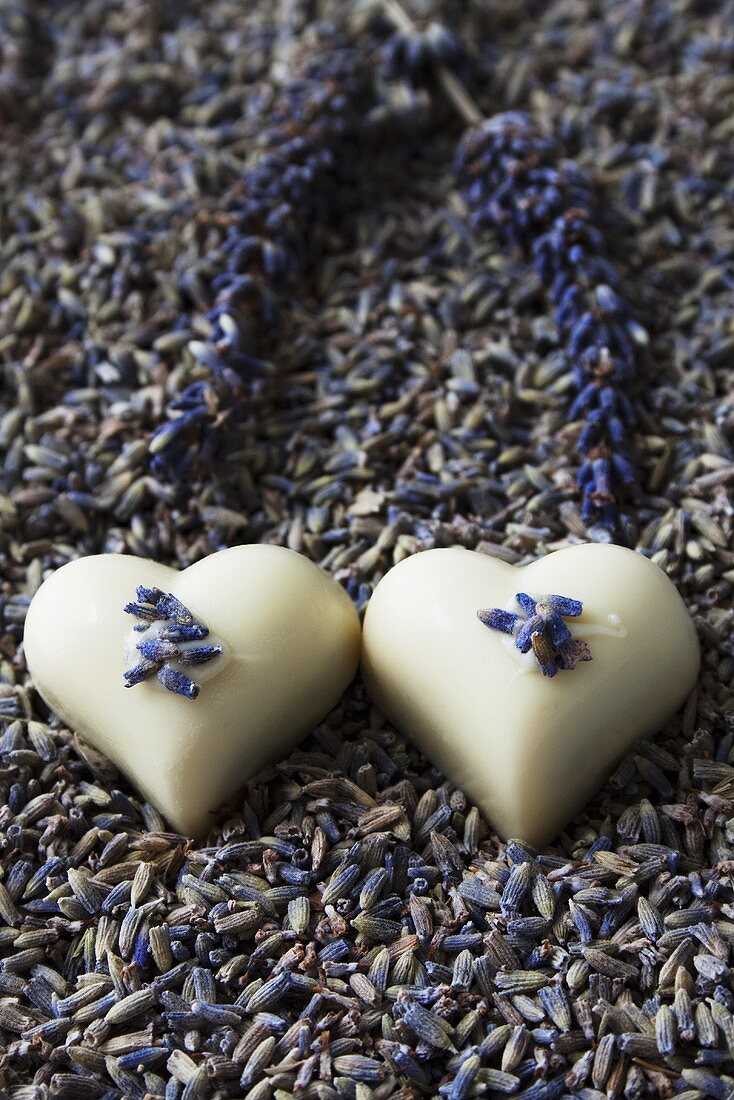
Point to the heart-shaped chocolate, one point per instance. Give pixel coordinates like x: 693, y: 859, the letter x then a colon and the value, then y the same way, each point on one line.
x: 529, y: 748
x: 282, y: 645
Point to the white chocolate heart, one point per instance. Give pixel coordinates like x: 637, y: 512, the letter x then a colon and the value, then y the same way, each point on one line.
x: 529, y: 749
x: 290, y: 636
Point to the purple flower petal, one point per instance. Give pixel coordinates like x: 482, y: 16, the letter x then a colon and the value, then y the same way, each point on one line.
x: 172, y: 608
x: 200, y: 655
x: 565, y: 606
x: 155, y: 649
x: 524, y: 637
x: 138, y: 673
x: 177, y: 682
x: 497, y: 619
x: 527, y: 603
x: 148, y: 595
x: 142, y: 611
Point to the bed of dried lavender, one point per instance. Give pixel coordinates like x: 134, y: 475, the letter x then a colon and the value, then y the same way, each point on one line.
x: 352, y: 928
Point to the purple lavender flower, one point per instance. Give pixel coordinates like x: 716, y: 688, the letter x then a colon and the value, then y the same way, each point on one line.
x: 286, y: 196
x: 172, y: 643
x: 516, y: 180
x: 542, y: 629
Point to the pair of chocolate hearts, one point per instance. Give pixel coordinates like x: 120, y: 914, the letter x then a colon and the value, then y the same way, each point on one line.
x: 284, y: 642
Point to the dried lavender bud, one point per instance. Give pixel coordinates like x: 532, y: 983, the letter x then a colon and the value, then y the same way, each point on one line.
x: 515, y: 179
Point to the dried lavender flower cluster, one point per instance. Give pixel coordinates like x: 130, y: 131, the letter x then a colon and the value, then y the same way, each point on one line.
x: 170, y: 636
x: 541, y: 628
x: 515, y: 179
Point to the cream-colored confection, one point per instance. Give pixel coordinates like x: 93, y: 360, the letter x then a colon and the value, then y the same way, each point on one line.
x: 290, y: 645
x: 529, y: 749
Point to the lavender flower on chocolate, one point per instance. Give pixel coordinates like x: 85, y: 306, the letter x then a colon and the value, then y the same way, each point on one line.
x: 515, y: 179
x: 542, y: 629
x: 170, y: 636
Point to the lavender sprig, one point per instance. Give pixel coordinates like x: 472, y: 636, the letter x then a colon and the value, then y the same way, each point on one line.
x: 292, y: 190
x: 515, y: 179
x: 542, y: 629
x: 171, y: 642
